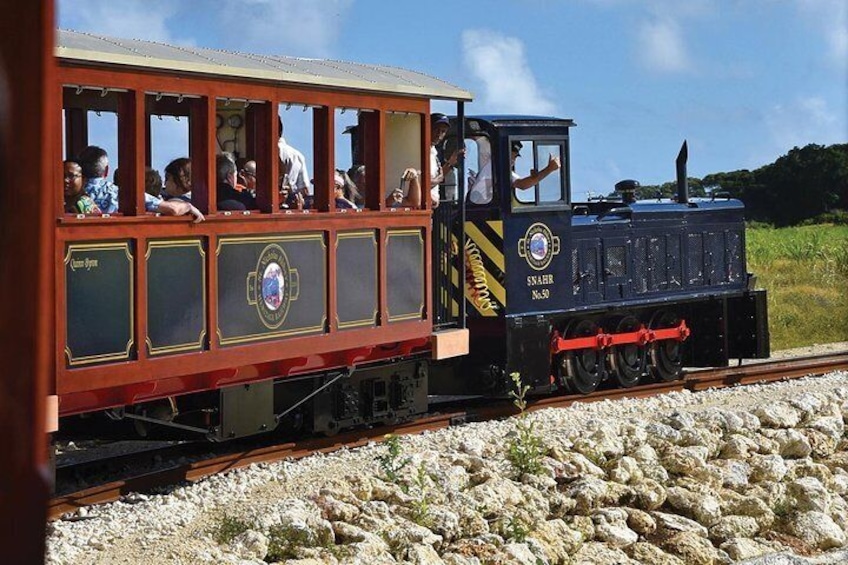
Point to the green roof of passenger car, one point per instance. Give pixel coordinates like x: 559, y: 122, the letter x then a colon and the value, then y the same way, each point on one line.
x: 88, y: 48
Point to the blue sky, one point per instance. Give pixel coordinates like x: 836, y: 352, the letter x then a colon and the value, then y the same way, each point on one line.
x: 743, y: 80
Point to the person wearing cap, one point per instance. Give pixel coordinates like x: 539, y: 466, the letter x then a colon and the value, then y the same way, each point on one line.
x: 535, y: 177
x: 338, y: 192
x: 439, y: 126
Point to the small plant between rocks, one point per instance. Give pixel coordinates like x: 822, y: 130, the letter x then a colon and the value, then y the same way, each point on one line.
x: 228, y: 529
x: 391, y: 462
x: 525, y: 450
x: 421, y: 505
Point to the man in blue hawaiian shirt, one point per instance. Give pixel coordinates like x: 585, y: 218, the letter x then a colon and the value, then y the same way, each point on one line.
x: 95, y: 166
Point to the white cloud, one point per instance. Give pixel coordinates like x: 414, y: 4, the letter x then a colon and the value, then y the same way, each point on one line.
x: 831, y: 17
x: 507, y: 83
x: 803, y: 121
x: 304, y: 28
x: 134, y: 19
x: 661, y: 46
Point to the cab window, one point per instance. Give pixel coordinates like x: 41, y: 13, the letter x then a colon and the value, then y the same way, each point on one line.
x: 534, y: 177
x: 478, y: 163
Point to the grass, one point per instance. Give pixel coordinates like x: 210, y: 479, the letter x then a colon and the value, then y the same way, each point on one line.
x: 805, y: 270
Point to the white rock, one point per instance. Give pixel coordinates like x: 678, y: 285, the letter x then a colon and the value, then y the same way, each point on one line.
x: 734, y: 473
x: 777, y: 415
x: 520, y: 554
x: 769, y: 468
x: 250, y: 545
x: 611, y: 527
x: 671, y: 524
x: 808, y: 494
x: 817, y: 529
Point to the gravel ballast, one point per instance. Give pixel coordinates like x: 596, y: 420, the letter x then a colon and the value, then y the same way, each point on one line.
x: 755, y: 474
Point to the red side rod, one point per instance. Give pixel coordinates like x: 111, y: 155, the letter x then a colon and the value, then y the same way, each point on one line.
x: 602, y: 340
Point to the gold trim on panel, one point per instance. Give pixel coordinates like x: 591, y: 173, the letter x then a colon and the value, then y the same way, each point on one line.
x: 261, y: 239
x: 88, y: 359
x: 197, y: 345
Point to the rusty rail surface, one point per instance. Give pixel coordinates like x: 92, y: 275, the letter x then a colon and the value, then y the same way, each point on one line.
x: 694, y: 381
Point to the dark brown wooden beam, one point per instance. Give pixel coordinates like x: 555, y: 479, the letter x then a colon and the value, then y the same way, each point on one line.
x: 28, y: 105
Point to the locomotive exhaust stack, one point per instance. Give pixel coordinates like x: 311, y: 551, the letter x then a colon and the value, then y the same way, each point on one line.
x: 682, y: 182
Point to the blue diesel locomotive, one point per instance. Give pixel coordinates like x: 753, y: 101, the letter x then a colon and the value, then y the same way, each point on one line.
x: 572, y: 294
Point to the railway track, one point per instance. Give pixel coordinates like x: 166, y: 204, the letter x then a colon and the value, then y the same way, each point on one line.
x: 698, y: 380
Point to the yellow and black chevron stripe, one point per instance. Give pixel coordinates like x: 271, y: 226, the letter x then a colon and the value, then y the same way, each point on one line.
x: 484, y: 269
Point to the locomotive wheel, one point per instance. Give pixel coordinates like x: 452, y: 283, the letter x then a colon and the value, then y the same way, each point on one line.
x: 580, y: 370
x: 666, y: 356
x: 628, y: 360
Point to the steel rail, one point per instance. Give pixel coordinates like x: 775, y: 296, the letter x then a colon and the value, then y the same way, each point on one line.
x: 768, y: 371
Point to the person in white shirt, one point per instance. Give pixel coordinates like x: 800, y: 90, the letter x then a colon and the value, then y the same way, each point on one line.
x: 439, y: 126
x: 296, y: 174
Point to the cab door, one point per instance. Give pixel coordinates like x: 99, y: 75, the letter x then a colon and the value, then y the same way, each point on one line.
x: 537, y: 230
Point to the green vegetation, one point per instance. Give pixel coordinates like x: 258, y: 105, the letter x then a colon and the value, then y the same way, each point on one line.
x: 421, y: 504
x: 228, y: 529
x: 807, y: 185
x: 526, y: 449
x: 805, y: 270
x: 391, y: 462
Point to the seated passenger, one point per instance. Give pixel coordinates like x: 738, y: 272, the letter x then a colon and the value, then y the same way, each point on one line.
x: 534, y: 178
x: 95, y: 167
x: 356, y: 175
x: 76, y: 200
x: 339, y: 191
x: 410, y: 199
x: 247, y: 176
x: 228, y: 197
x: 290, y: 200
x: 351, y: 191
x: 152, y: 182
x: 177, y: 202
x: 177, y: 180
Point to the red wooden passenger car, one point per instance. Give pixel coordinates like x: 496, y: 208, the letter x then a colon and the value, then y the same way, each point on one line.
x: 151, y: 309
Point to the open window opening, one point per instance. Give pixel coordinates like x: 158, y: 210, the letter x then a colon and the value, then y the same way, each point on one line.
x: 91, y: 132
x: 351, y: 131
x: 405, y: 183
x: 168, y: 158
x: 295, y: 143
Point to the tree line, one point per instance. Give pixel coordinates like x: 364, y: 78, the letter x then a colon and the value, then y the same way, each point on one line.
x: 807, y: 185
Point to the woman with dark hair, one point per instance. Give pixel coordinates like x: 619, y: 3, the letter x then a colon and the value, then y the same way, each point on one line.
x: 178, y: 179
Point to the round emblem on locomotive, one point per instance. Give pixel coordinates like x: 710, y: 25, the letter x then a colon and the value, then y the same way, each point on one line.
x: 272, y: 284
x: 538, y: 246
